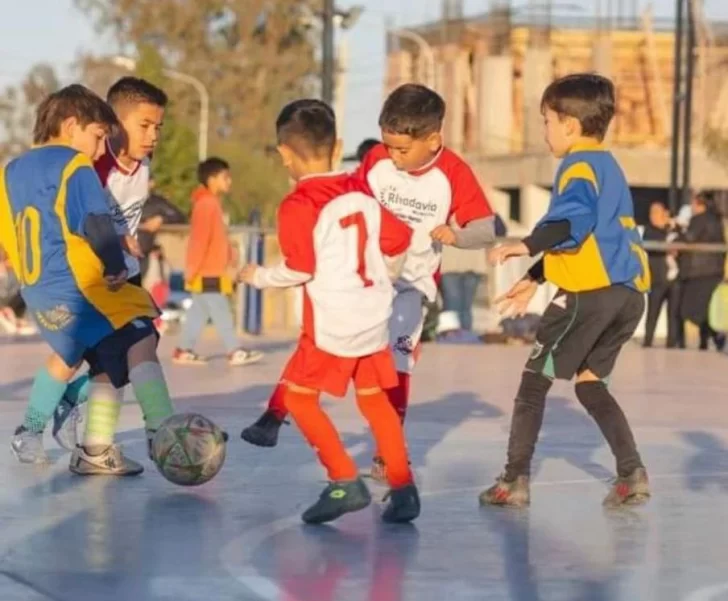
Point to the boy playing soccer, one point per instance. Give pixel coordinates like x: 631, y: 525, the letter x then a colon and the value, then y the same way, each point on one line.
x: 55, y: 215
x: 124, y: 172
x: 333, y: 239
x: 427, y: 186
x: 593, y: 253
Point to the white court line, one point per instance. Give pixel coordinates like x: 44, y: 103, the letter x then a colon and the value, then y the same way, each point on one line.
x: 542, y: 483
x: 709, y: 593
x: 237, y: 555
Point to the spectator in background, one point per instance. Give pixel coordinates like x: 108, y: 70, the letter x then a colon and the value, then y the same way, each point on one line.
x: 665, y: 286
x: 701, y: 272
x: 12, y: 305
x: 462, y: 272
x: 365, y: 147
x: 210, y: 259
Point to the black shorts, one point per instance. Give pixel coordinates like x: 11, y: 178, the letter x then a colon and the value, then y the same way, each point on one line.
x: 110, y: 355
x: 582, y: 331
x: 136, y: 280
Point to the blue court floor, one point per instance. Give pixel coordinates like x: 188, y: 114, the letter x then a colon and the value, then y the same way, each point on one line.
x: 240, y: 538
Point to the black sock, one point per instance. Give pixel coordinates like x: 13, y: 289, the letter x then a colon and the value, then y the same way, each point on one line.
x: 526, y: 423
x: 611, y: 420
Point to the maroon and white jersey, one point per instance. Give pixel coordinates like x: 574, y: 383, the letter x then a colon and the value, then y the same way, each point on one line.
x: 333, y: 238
x: 443, y: 190
x: 126, y: 192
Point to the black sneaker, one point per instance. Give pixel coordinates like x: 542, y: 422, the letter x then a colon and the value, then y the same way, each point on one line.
x: 337, y: 499
x: 512, y: 493
x: 404, y: 505
x: 631, y: 490
x: 264, y: 432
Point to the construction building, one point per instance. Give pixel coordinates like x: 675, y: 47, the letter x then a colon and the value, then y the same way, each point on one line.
x: 493, y: 68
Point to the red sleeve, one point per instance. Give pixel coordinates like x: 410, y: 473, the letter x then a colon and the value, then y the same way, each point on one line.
x: 394, y: 235
x: 103, y: 167
x: 296, y: 222
x: 468, y: 199
x: 371, y: 158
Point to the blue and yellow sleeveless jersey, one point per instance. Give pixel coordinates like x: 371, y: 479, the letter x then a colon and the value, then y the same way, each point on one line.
x: 45, y: 196
x: 605, y: 248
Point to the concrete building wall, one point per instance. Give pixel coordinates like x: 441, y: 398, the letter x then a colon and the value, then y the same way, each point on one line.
x: 495, y: 102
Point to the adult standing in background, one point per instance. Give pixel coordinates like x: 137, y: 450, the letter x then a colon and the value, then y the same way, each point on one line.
x: 665, y: 285
x: 701, y: 272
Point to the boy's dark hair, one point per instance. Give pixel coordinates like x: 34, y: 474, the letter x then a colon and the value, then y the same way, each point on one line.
x: 210, y: 168
x: 72, y: 101
x: 308, y: 126
x: 413, y: 110
x: 134, y: 90
x: 587, y: 97
x: 365, y: 147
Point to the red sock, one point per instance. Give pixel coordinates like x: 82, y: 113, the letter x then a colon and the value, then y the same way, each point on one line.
x: 277, y: 402
x: 399, y: 396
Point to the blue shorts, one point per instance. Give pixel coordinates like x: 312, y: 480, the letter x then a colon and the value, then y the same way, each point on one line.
x: 110, y: 355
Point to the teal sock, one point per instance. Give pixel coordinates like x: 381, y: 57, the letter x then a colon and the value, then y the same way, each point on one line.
x: 45, y: 395
x: 77, y: 391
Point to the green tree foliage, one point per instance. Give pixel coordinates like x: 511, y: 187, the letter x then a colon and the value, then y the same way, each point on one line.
x: 17, y: 109
x: 252, y: 55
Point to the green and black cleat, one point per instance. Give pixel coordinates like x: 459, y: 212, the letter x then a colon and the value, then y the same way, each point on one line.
x: 509, y: 493
x: 337, y: 499
x: 404, y: 505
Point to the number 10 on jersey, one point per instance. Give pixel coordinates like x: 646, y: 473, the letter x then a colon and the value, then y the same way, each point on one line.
x: 27, y: 232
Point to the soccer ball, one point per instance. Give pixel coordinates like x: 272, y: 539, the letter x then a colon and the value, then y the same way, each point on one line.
x: 188, y: 449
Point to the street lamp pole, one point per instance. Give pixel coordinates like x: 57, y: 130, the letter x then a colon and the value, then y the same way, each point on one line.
x: 130, y: 65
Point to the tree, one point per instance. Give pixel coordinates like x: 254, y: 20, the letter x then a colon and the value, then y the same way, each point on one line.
x: 18, y: 105
x: 252, y: 55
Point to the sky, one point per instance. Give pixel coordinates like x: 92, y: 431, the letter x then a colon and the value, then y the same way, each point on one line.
x: 53, y: 31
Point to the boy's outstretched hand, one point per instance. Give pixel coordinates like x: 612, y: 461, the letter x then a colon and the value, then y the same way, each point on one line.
x: 443, y: 234
x: 247, y: 274
x: 114, y: 282
x: 500, y: 254
x: 514, y: 303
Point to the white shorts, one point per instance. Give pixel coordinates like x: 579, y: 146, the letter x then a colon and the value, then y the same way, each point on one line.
x: 405, y: 327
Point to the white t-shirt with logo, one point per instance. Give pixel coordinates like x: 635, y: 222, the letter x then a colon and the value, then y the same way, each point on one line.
x: 443, y: 190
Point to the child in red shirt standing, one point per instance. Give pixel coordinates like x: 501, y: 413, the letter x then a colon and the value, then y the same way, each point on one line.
x: 334, y: 239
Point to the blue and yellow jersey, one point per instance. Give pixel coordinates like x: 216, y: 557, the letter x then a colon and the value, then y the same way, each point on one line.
x: 604, y: 248
x: 45, y: 196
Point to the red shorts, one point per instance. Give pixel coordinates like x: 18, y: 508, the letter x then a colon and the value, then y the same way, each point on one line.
x: 311, y: 367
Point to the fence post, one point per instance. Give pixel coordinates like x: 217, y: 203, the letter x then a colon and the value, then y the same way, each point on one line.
x: 253, y: 312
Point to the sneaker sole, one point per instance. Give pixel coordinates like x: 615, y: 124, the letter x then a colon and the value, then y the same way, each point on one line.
x: 245, y: 362
x: 45, y: 461
x: 189, y: 363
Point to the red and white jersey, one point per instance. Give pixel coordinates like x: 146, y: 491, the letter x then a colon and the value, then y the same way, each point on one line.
x: 126, y: 192
x: 333, y: 239
x: 443, y: 190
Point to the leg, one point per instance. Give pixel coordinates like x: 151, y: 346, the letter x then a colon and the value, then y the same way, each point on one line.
x: 471, y: 281
x: 405, y: 329
x: 195, y: 320
x: 222, y: 319
x: 67, y: 415
x: 675, y: 334
x: 99, y: 456
x: 148, y: 381
x: 654, y: 304
x: 46, y: 394
x: 347, y: 492
x: 450, y: 291
x: 592, y: 392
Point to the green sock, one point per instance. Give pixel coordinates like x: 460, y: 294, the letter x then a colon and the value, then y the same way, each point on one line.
x: 77, y: 391
x: 151, y: 391
x: 45, y: 395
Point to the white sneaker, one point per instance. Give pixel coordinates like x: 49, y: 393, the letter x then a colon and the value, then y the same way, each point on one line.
x: 66, y: 419
x: 242, y: 357
x: 111, y: 462
x: 27, y: 447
